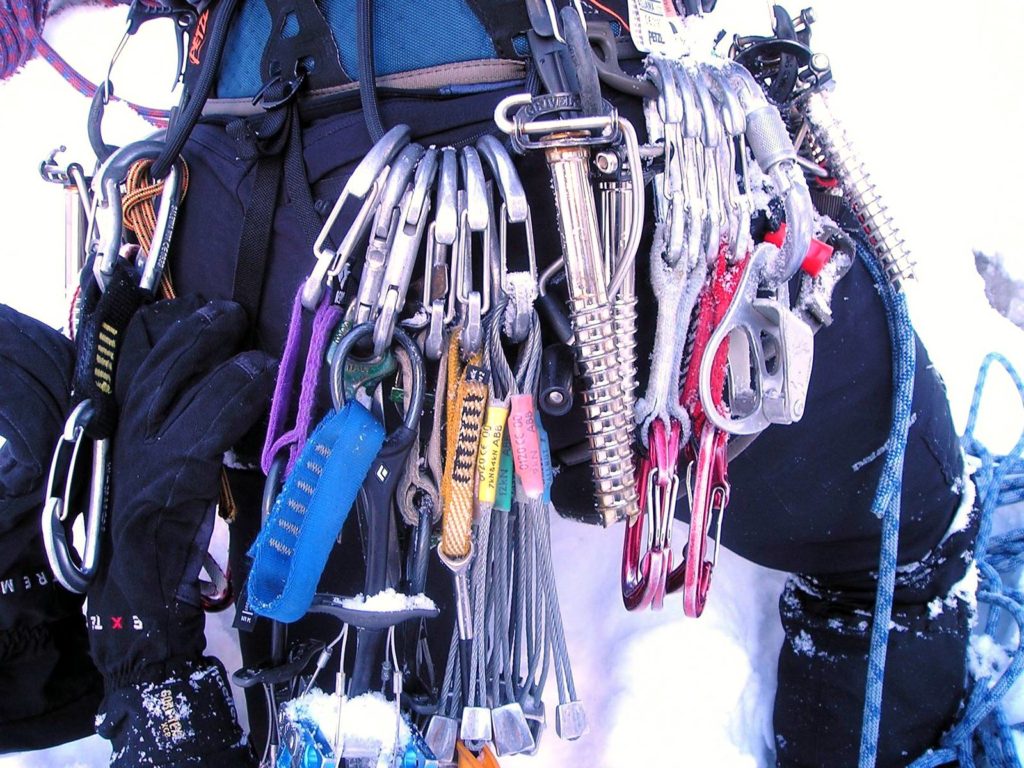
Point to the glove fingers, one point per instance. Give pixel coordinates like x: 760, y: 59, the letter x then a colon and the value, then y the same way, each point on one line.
x: 150, y: 324
x: 41, y: 350
x: 227, y: 403
x: 36, y: 364
x: 30, y: 421
x: 190, y: 348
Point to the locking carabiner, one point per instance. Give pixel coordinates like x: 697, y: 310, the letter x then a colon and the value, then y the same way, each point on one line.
x: 74, y: 571
x: 106, y: 215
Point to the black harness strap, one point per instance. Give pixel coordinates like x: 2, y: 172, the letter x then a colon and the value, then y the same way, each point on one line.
x: 98, y: 342
x: 207, y: 40
x: 279, y: 153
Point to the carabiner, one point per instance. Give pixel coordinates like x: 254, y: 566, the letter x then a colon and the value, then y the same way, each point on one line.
x: 707, y: 509
x: 412, y: 222
x: 442, y: 234
x: 75, y: 572
x: 416, y: 386
x: 166, y: 215
x: 385, y: 225
x: 475, y: 218
x: 107, y: 213
x: 365, y: 183
x: 644, y: 578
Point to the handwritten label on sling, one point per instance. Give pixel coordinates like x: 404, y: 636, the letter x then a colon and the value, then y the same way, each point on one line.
x: 545, y: 461
x: 522, y: 427
x: 488, y: 459
x: 506, y: 475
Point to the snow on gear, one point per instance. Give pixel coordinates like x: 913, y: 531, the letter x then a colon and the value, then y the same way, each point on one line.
x: 432, y: 213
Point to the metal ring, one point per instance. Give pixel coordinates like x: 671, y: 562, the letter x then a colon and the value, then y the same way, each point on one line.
x: 417, y: 385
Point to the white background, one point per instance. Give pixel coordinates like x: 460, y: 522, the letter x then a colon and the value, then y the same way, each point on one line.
x: 931, y: 95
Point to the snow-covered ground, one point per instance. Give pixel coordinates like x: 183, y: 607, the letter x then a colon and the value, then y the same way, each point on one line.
x: 930, y: 93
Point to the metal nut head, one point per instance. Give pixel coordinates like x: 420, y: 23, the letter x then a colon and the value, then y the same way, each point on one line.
x: 476, y: 725
x: 511, y: 730
x: 442, y: 733
x: 571, y: 720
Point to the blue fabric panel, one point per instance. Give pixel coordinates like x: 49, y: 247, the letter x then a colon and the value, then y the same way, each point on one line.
x: 239, y: 74
x: 407, y: 35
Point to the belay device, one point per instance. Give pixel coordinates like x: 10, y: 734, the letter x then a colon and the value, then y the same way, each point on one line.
x: 475, y: 301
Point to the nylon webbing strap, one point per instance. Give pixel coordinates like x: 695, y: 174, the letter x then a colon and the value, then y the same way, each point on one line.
x: 281, y: 157
x: 293, y: 546
x: 467, y: 394
x: 98, y: 341
x: 257, y: 229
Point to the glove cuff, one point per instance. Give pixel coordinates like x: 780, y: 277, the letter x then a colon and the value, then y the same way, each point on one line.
x: 49, y: 688
x: 187, y: 718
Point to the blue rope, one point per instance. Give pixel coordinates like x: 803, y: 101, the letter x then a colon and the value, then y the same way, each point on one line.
x: 999, y: 483
x: 886, y: 503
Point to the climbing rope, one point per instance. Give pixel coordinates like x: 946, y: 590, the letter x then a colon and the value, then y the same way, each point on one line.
x: 886, y: 502
x: 999, y: 482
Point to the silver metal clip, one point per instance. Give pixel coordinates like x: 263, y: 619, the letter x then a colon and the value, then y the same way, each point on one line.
x: 365, y: 183
x: 412, y: 222
x: 386, y: 223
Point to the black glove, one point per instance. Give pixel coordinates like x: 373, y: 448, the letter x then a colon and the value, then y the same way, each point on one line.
x: 49, y: 688
x: 184, y: 398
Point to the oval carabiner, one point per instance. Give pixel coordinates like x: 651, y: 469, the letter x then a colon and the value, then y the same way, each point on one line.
x: 74, y: 572
x: 107, y: 212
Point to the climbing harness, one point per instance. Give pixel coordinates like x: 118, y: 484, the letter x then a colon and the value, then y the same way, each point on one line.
x: 466, y: 364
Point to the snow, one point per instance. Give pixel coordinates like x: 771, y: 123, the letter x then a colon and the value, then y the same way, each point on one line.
x: 389, y: 601
x: 368, y: 722
x: 657, y: 685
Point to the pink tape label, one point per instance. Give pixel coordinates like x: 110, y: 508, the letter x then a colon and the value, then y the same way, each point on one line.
x: 522, y: 430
